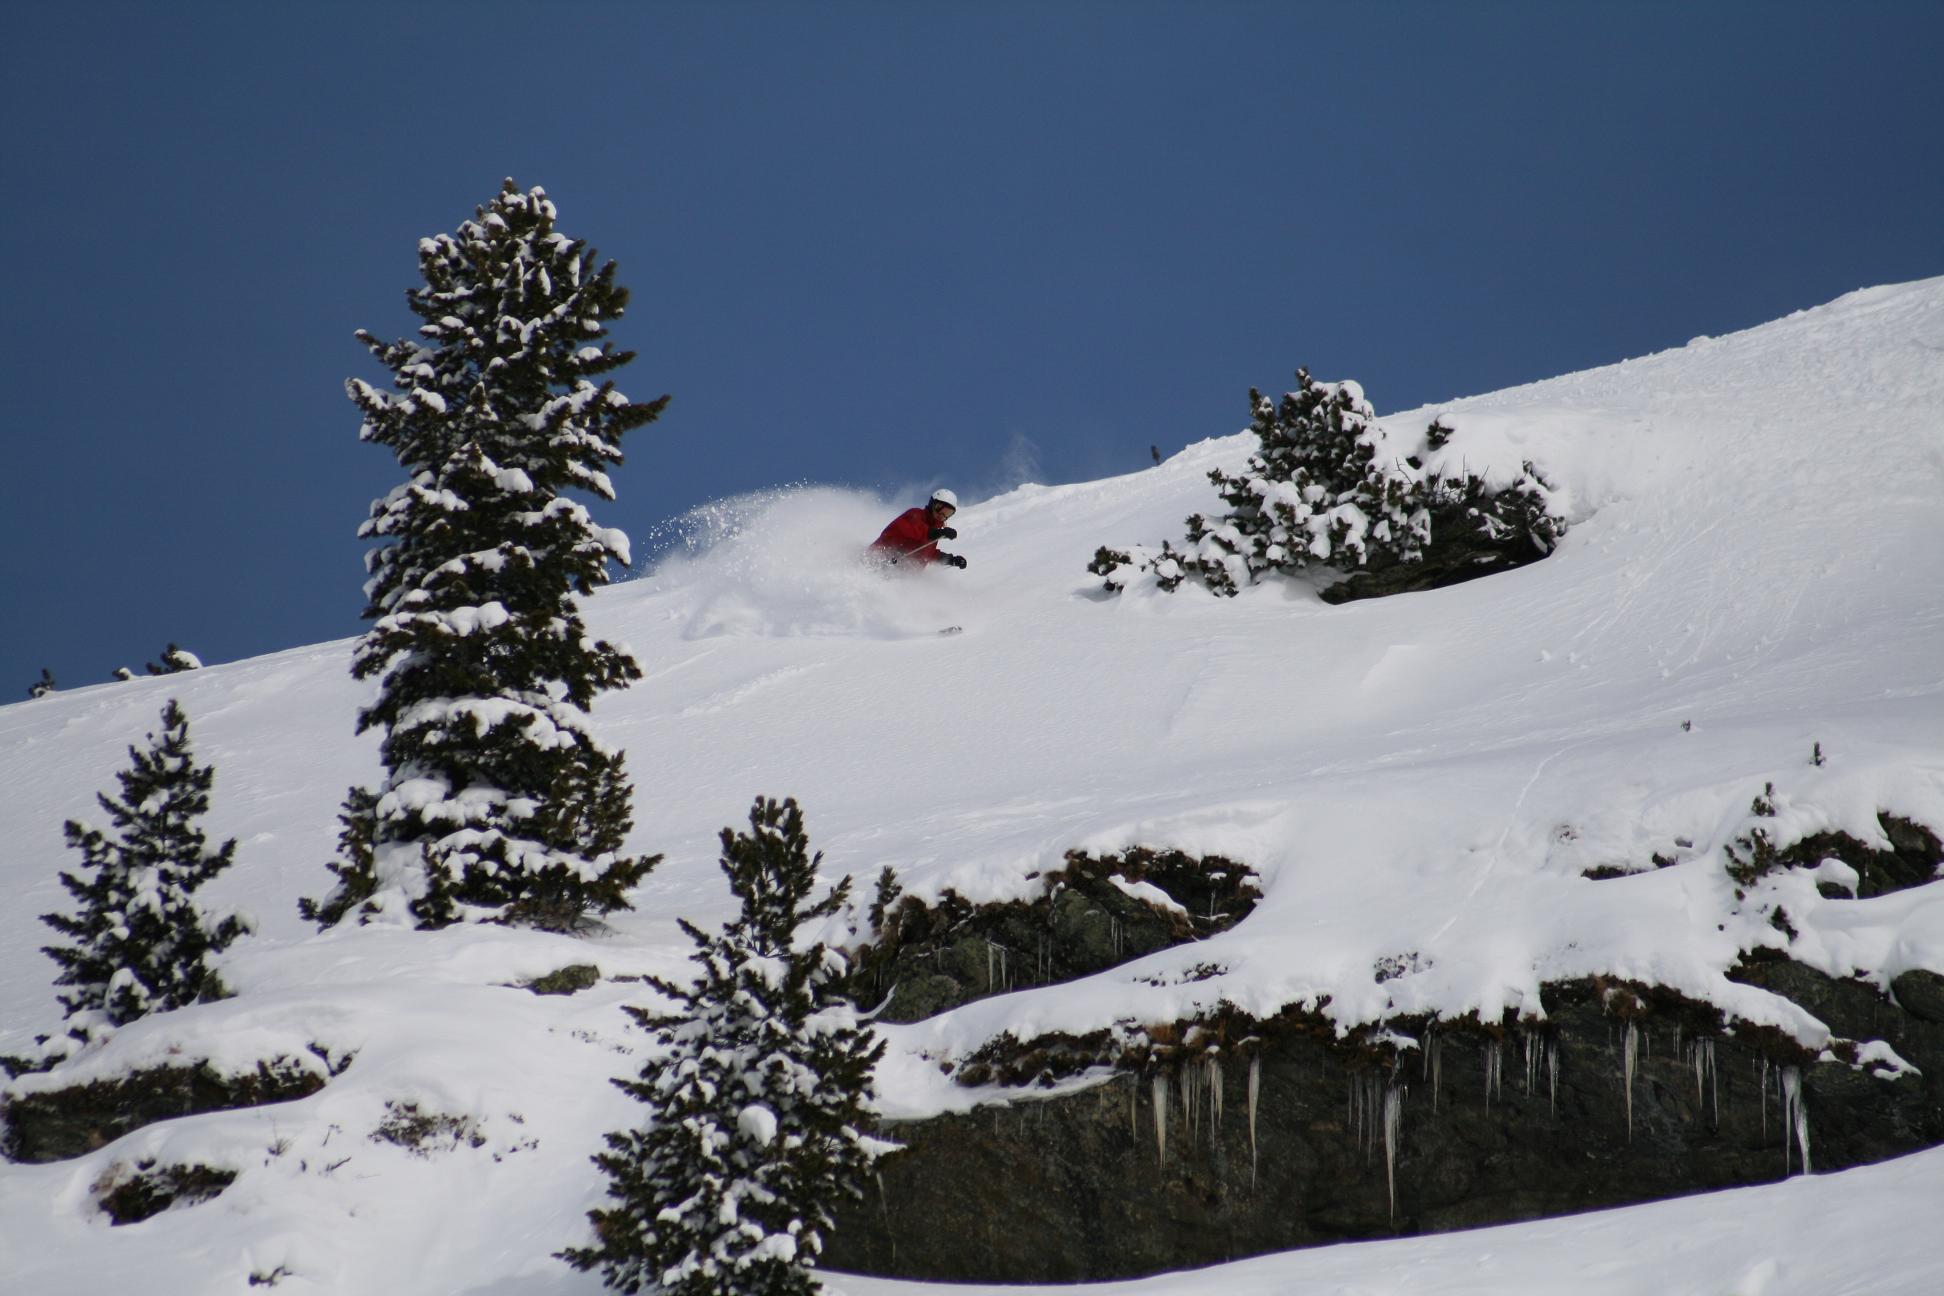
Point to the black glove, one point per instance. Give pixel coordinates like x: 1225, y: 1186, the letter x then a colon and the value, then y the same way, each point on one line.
x: 953, y: 559
x: 943, y: 533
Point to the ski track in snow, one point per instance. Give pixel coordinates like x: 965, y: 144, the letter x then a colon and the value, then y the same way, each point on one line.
x: 1754, y: 523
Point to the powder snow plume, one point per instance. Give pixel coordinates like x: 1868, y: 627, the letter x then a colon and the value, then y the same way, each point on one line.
x: 790, y: 562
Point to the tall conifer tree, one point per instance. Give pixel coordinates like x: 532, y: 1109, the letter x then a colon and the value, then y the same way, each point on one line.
x: 497, y: 802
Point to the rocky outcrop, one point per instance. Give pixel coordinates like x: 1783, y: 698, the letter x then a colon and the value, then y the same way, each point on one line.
x: 1914, y: 855
x: 1091, y: 915
x: 55, y: 1124
x: 152, y: 1189
x: 1242, y: 1138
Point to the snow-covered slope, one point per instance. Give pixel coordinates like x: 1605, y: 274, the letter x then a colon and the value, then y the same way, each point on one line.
x: 1754, y: 568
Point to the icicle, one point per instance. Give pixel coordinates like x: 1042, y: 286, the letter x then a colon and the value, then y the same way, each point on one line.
x: 1191, y: 1100
x: 1436, y: 1061
x: 1795, y: 1118
x: 1782, y: 1079
x: 1627, y: 1070
x: 1706, y: 1076
x: 1393, y: 1105
x: 1214, y: 1098
x: 1133, y: 1110
x: 1552, y: 1066
x: 1763, y: 1089
x: 1184, y: 1094
x: 1255, y: 1088
x: 1161, y: 1115
x: 988, y: 967
x: 1494, y: 1071
x: 1802, y: 1126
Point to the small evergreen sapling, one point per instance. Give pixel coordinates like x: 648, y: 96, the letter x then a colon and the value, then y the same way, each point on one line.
x: 141, y: 943
x: 755, y: 1096
x: 497, y: 802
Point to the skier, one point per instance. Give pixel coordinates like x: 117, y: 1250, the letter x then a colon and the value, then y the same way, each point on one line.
x: 915, y: 534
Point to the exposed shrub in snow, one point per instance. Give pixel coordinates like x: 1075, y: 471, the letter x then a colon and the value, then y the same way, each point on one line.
x: 174, y: 661
x: 423, y: 1133
x: 754, y: 1095
x: 41, y: 687
x: 1329, y: 487
x: 497, y: 802
x: 141, y: 943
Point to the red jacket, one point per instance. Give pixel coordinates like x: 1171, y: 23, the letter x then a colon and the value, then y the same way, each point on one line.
x: 908, y: 538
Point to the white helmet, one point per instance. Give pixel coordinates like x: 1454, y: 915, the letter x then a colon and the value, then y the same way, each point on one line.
x: 945, y: 497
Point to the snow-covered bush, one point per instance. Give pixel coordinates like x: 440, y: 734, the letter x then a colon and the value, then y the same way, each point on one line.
x: 174, y: 661
x: 41, y: 687
x: 497, y: 802
x: 1329, y: 487
x: 141, y: 943
x: 754, y: 1096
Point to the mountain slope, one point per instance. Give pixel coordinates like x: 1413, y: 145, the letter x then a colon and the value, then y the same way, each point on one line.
x: 1752, y: 570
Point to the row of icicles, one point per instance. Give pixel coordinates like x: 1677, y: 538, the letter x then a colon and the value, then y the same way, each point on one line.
x: 1376, y: 1102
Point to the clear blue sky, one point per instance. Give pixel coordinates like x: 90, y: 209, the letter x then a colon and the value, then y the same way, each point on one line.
x: 881, y: 244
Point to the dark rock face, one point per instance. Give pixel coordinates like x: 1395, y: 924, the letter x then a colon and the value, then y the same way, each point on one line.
x: 151, y: 1190
x: 931, y: 958
x: 1914, y: 857
x: 1484, y: 1125
x: 1461, y: 551
x: 61, y: 1123
x: 1921, y: 994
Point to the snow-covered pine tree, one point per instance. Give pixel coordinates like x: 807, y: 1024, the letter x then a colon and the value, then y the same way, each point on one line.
x: 497, y: 803
x: 141, y: 943
x: 1329, y: 487
x: 754, y: 1096
x: 174, y: 661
